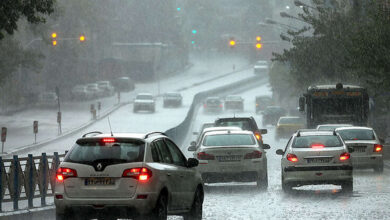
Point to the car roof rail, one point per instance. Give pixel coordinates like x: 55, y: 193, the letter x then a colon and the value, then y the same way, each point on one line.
x: 154, y: 132
x: 298, y: 133
x: 92, y: 132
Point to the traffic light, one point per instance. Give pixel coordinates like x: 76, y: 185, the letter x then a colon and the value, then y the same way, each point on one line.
x: 82, y: 38
x: 194, y: 31
x: 232, y: 42
x: 54, y: 39
x: 258, y: 44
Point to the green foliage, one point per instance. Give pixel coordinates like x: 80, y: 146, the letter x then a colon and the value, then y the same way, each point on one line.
x: 12, y: 10
x: 349, y: 46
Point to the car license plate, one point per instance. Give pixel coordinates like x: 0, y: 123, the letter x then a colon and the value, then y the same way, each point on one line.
x: 229, y: 158
x: 99, y: 181
x: 359, y: 149
x: 318, y: 160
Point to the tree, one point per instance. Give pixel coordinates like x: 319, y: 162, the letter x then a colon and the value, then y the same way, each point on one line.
x: 347, y: 46
x: 11, y: 11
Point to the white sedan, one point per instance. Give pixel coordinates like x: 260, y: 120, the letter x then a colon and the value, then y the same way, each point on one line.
x: 367, y: 149
x: 232, y: 156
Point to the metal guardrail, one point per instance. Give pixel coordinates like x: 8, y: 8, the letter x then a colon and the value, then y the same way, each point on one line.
x: 179, y: 132
x: 27, y: 178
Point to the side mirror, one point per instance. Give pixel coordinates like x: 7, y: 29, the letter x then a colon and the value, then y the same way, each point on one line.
x: 279, y: 152
x: 193, y: 143
x: 191, y: 148
x: 195, y: 133
x: 302, y: 101
x: 192, y: 162
x: 350, y: 149
x: 266, y: 146
x: 263, y: 131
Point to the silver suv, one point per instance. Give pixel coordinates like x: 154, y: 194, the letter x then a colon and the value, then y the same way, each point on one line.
x: 127, y: 175
x: 316, y: 157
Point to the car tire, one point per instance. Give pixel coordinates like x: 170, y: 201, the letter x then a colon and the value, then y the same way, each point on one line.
x: 378, y: 169
x: 286, y: 187
x: 262, y: 183
x: 347, y: 186
x: 196, y: 211
x: 160, y: 212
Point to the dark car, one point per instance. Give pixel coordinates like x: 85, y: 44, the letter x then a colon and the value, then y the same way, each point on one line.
x: 262, y: 102
x: 124, y: 84
x: 245, y: 123
x: 234, y: 102
x: 172, y: 99
x: 213, y: 104
x: 272, y: 114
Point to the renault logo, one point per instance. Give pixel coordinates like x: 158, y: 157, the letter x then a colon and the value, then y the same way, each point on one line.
x: 99, y: 166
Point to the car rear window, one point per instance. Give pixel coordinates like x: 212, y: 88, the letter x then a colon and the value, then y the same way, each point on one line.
x: 144, y: 97
x: 309, y: 141
x: 244, y: 125
x: 213, y: 101
x: 357, y: 134
x: 228, y: 140
x: 89, y: 152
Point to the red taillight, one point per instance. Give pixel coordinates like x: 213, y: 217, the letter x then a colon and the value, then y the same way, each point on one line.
x: 255, y: 154
x: 63, y: 173
x: 108, y: 140
x: 344, y: 156
x: 59, y: 196
x: 205, y: 156
x: 378, y: 148
x: 220, y: 105
x: 140, y: 173
x: 317, y: 146
x: 292, y: 157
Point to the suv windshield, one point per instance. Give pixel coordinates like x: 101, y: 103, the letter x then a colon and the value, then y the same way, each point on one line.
x: 90, y: 152
x: 228, y: 140
x: 308, y: 141
x: 357, y: 134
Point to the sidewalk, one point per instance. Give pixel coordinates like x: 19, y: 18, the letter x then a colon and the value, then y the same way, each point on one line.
x: 76, y: 114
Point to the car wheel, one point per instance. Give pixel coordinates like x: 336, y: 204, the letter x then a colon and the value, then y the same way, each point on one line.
x: 263, y: 182
x: 197, y: 207
x: 286, y: 187
x: 347, y: 186
x: 160, y: 212
x: 378, y: 169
